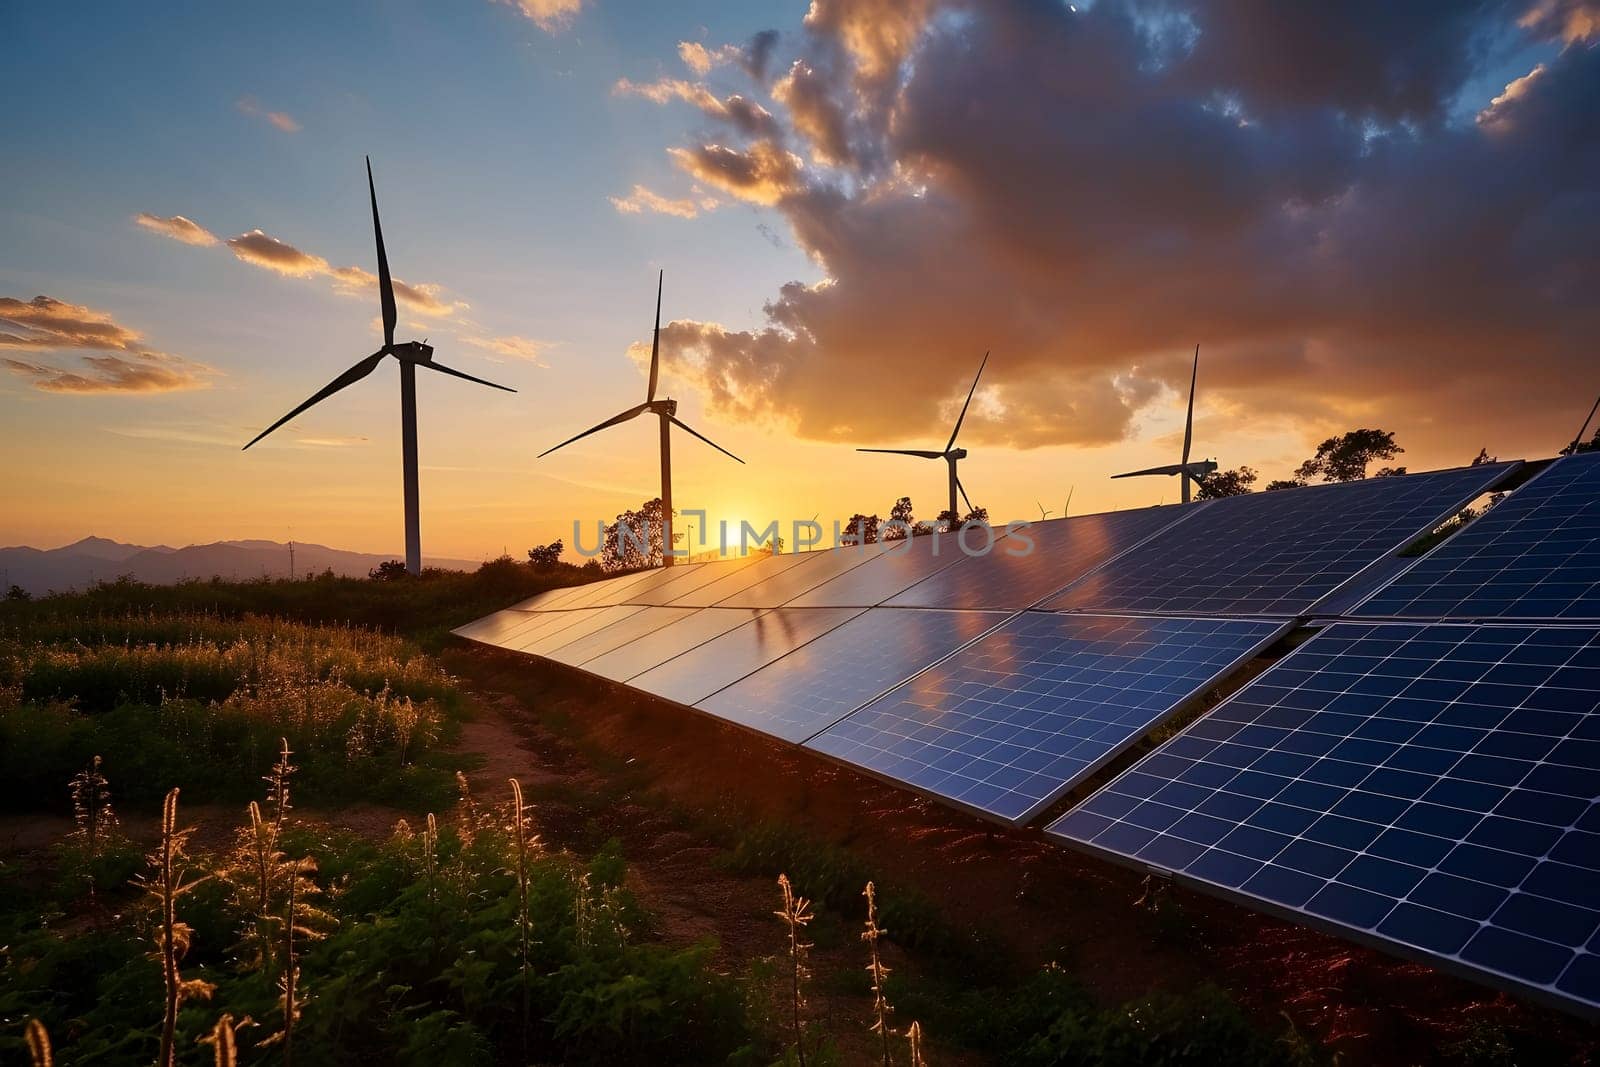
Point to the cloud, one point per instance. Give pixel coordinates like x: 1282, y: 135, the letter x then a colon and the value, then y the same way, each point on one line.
x: 278, y: 119
x: 743, y: 114
x: 764, y: 173
x: 46, y: 324
x: 699, y: 59
x: 757, y: 54
x: 513, y: 347
x: 549, y: 15
x: 263, y: 250
x: 642, y: 199
x: 146, y: 372
x: 1090, y: 193
x: 178, y: 228
x: 1573, y: 21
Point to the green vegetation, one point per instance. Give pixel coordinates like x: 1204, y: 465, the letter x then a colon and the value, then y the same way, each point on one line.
x: 203, y: 700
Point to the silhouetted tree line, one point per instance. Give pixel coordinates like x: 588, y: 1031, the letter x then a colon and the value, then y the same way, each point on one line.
x: 1338, y: 459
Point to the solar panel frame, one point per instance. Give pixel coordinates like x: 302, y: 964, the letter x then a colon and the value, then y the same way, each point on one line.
x: 1044, y: 758
x: 1442, y: 584
x: 835, y: 663
x: 708, y: 668
x: 1380, y: 810
x: 1063, y: 550
x: 1267, y: 539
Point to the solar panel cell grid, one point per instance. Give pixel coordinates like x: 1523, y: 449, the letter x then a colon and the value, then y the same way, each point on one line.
x: 645, y: 621
x: 659, y: 645
x: 1276, y: 553
x: 1008, y: 724
x: 1536, y: 555
x: 818, y: 567
x: 757, y: 569
x: 1036, y: 560
x: 1429, y: 787
x: 821, y: 682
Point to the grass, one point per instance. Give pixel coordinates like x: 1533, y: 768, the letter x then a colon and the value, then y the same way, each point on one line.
x: 205, y: 700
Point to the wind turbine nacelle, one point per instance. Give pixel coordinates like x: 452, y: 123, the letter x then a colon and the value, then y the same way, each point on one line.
x: 415, y: 351
x: 664, y: 407
x: 1203, y: 468
x: 956, y: 453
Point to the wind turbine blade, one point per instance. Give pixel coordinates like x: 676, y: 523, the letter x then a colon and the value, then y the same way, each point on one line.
x: 1578, y: 440
x: 1188, y: 423
x: 632, y: 412
x: 349, y: 377
x: 442, y: 369
x: 680, y: 424
x: 1068, y: 505
x: 919, y: 453
x: 655, y: 342
x: 385, y: 284
x: 963, y: 415
x: 1171, y: 468
x: 964, y: 495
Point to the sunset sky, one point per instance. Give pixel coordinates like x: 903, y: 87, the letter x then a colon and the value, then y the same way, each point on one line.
x: 1368, y: 214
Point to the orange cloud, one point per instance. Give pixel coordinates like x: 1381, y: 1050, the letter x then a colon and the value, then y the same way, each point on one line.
x: 45, y: 324
x: 263, y: 250
x: 1574, y: 21
x: 178, y: 228
x: 764, y: 173
x: 278, y: 119
x: 642, y: 199
x: 512, y: 346
x: 698, y: 58
x: 548, y: 15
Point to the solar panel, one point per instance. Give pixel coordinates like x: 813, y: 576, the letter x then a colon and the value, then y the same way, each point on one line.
x: 820, y: 683
x: 892, y: 566
x: 549, y: 623
x: 661, y: 644
x: 816, y: 568
x: 1036, y: 560
x: 654, y: 577
x: 681, y: 580
x: 592, y: 620
x: 643, y: 622
x: 1535, y: 555
x: 1010, y: 723
x: 551, y: 599
x: 723, y: 660
x: 1276, y: 553
x: 1428, y: 788
x: 612, y: 590
x: 531, y: 622
x: 758, y: 569
x: 486, y: 628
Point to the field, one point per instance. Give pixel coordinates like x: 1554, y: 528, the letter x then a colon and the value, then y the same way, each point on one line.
x: 379, y: 895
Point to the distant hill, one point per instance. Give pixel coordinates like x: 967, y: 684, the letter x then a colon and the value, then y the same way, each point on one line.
x: 78, y: 565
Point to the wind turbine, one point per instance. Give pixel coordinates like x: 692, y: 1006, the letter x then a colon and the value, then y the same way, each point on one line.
x: 1043, y: 514
x: 1066, y: 508
x: 951, y: 454
x: 1189, y: 472
x: 667, y: 410
x: 410, y: 355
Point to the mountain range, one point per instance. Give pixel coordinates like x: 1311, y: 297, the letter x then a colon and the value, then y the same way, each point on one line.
x: 82, y: 563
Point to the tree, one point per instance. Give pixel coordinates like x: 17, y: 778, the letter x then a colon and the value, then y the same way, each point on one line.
x: 1283, y: 483
x: 1237, y: 482
x: 546, y: 555
x: 901, y: 520
x: 1591, y: 445
x: 16, y: 592
x: 1483, y: 457
x: 634, y: 540
x: 390, y: 570
x: 862, y: 529
x: 1345, y: 458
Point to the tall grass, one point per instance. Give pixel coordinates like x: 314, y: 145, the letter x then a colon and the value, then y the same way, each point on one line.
x: 203, y: 699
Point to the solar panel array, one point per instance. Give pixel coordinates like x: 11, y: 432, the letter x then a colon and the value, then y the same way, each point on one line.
x: 1010, y: 723
x: 1430, y: 787
x: 1276, y: 553
x: 1536, y: 555
x: 1018, y: 570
